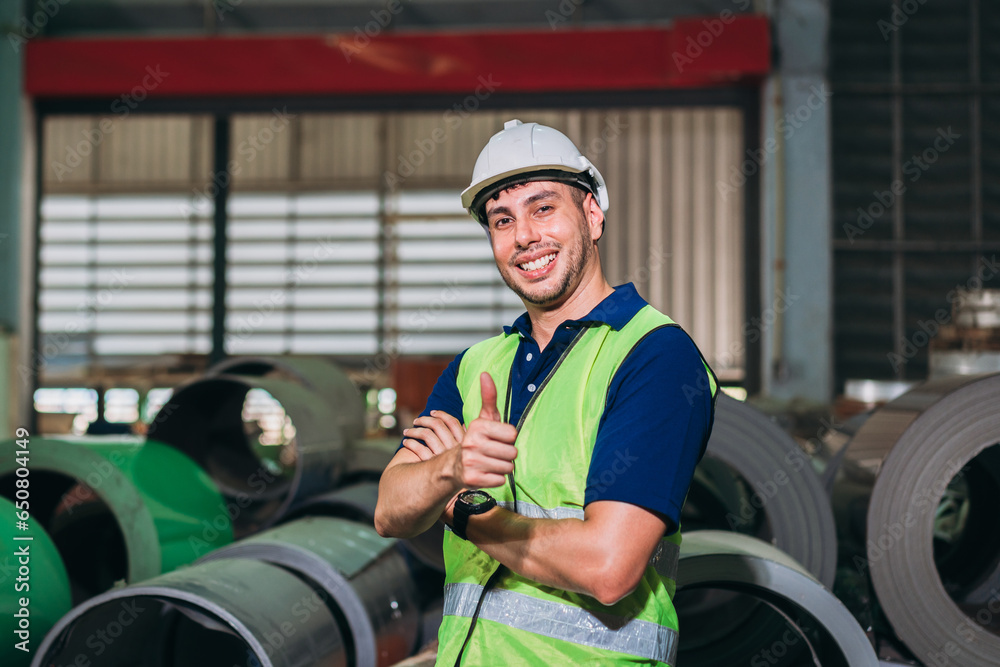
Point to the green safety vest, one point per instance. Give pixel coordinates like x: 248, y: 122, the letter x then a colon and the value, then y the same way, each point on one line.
x: 521, y: 621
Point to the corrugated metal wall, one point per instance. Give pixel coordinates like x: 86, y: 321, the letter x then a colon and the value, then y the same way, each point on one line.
x: 671, y: 228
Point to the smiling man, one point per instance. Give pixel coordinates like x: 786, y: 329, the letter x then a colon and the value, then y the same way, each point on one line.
x: 559, y: 452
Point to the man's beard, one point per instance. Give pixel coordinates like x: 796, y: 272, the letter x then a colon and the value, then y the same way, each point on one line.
x: 575, y: 259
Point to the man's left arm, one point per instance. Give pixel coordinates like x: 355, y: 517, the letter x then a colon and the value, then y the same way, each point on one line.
x: 604, y: 555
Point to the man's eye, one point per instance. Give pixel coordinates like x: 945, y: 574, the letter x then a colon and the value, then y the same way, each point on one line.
x: 501, y: 222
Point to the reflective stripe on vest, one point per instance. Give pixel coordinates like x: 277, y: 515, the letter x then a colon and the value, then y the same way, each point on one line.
x: 565, y: 622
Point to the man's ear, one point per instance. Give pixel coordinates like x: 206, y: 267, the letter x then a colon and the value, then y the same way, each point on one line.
x: 595, y: 216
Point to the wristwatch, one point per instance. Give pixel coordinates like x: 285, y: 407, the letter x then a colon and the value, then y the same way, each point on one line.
x: 470, y: 503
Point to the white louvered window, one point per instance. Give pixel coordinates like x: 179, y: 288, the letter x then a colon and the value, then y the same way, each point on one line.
x: 346, y: 239
x: 123, y: 275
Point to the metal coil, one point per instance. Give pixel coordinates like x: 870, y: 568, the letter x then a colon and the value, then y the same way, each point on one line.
x: 36, y: 586
x: 230, y: 612
x: 360, y: 573
x: 783, y: 486
x: 933, y: 552
x: 819, y: 630
x: 120, y: 510
x: 357, y: 503
x: 204, y: 419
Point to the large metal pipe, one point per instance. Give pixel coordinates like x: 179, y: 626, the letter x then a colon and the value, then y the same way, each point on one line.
x: 313, y: 373
x: 786, y: 496
x: 933, y: 551
x: 34, y: 583
x: 204, y: 419
x: 233, y: 612
x: 818, y: 629
x: 361, y: 575
x: 119, y: 510
x: 754, y: 480
x: 357, y: 503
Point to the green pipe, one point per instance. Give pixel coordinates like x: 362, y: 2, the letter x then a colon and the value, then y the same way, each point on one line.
x: 37, y: 578
x: 120, y: 510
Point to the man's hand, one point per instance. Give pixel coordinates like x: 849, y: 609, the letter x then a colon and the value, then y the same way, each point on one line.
x: 485, y: 452
x: 488, y: 451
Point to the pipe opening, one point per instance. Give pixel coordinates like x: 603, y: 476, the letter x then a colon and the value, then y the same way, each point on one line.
x: 966, y: 542
x: 83, y: 528
x: 778, y: 634
x: 242, y: 436
x: 720, y: 498
x: 151, y: 631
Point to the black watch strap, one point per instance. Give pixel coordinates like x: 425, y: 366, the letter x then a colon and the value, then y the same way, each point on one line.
x: 460, y: 523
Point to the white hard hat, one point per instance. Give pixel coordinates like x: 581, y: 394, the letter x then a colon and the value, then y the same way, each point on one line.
x: 530, y: 152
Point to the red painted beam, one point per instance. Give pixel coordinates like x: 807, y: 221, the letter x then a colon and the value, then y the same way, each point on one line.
x: 691, y: 53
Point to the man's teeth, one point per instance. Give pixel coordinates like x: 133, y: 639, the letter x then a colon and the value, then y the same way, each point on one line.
x: 538, y: 263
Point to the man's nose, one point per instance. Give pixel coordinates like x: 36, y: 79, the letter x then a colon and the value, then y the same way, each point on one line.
x: 525, y: 233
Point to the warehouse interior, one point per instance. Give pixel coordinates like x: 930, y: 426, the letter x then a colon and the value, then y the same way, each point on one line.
x: 234, y: 263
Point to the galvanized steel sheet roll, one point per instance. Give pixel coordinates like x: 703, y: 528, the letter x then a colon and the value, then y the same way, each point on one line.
x: 818, y: 627
x: 783, y: 486
x: 357, y: 503
x: 205, y: 419
x: 120, y: 510
x: 223, y: 613
x: 359, y: 572
x: 933, y: 549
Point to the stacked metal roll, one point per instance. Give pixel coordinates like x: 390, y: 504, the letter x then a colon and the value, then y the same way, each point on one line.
x: 816, y: 628
x: 932, y: 463
x: 314, y: 592
x: 204, y: 419
x: 119, y: 511
x: 754, y: 480
x: 36, y: 586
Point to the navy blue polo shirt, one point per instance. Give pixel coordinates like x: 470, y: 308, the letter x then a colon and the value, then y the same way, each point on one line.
x: 651, y: 434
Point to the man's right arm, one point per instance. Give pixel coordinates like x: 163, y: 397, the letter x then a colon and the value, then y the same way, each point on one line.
x: 412, y: 494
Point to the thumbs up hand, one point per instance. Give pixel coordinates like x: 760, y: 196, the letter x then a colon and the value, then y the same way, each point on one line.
x: 482, y: 454
x: 488, y: 451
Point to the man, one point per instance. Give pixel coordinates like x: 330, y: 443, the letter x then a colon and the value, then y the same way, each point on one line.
x: 604, y: 404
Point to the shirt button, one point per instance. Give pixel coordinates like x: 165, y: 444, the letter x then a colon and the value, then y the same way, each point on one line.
x: 531, y: 387
x: 528, y: 358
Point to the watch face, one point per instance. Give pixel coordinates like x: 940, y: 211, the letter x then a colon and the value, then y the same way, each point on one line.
x: 476, y: 497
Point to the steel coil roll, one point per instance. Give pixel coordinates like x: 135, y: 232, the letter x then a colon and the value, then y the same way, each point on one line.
x: 317, y: 375
x: 933, y: 551
x: 817, y: 625
x: 357, y: 503
x: 356, y: 571
x: 36, y: 587
x: 230, y: 612
x: 782, y: 486
x: 119, y: 510
x: 205, y: 419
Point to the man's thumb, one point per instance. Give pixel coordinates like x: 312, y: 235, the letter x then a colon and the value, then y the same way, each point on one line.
x: 489, y: 391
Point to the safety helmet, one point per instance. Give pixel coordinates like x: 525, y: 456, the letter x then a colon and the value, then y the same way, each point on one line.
x: 524, y: 152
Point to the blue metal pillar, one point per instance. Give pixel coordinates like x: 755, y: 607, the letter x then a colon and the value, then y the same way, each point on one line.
x: 797, y: 299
